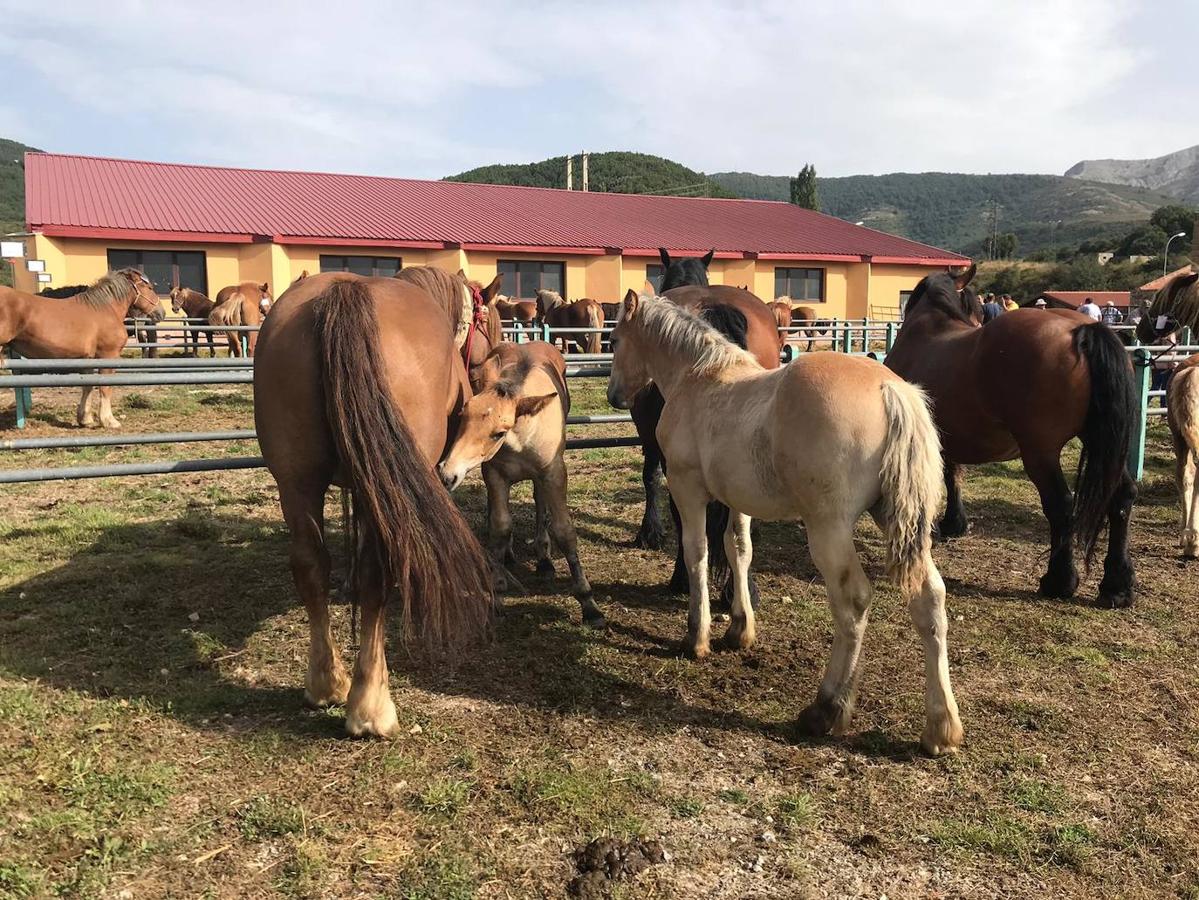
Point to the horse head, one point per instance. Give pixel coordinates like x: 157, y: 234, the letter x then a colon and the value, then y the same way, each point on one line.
x: 548, y: 301
x: 178, y: 295
x: 264, y: 298
x: 145, y: 299
x: 1176, y: 304
x: 949, y: 293
x: 678, y: 272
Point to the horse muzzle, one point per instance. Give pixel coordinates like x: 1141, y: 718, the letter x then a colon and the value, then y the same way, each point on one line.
x: 451, y: 477
x: 616, y: 397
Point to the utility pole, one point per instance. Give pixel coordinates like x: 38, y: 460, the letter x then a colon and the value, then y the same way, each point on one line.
x: 993, y: 231
x: 585, y: 155
x: 570, y: 173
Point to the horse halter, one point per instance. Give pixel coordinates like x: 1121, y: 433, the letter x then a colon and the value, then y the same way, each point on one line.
x: 477, y: 318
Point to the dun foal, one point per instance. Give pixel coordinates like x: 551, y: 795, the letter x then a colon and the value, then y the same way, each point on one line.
x: 1182, y: 399
x: 515, y: 426
x: 824, y: 440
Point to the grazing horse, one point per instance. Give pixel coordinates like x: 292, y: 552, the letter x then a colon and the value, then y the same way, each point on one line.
x: 555, y: 312
x: 88, y: 325
x: 194, y: 305
x: 242, y: 304
x: 515, y: 427
x: 354, y: 381
x: 782, y: 317
x: 522, y: 311
x: 802, y: 315
x: 1182, y: 413
x: 685, y: 282
x: 479, y: 327
x: 1024, y: 386
x: 825, y: 439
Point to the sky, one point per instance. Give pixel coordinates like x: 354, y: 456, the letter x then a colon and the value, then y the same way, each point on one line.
x: 427, y: 90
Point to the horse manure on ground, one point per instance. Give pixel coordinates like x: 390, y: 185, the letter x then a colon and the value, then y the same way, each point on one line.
x: 606, y: 860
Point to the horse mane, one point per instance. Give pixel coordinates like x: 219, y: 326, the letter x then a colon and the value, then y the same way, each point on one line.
x: 547, y: 300
x: 683, y: 332
x: 512, y: 378
x: 1178, y: 299
x: 448, y: 291
x: 107, y: 291
x: 64, y: 292
x: 941, y: 291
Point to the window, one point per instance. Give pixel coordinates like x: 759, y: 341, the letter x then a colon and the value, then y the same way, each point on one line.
x: 166, y: 269
x: 904, y: 297
x: 524, y: 278
x: 653, y: 274
x: 799, y: 284
x: 367, y: 266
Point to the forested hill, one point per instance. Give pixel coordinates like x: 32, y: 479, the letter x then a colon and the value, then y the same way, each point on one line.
x: 617, y: 173
x: 12, y: 194
x: 954, y: 211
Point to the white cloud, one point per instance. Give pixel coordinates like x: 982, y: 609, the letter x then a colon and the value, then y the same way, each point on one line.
x: 853, y: 86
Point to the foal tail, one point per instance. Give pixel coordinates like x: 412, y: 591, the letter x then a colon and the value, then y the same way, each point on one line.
x: 912, y: 484
x: 402, y: 513
x: 1106, y: 432
x: 595, y: 319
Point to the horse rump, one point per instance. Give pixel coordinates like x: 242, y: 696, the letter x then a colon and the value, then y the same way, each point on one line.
x: 1107, y: 430
x: 401, y: 512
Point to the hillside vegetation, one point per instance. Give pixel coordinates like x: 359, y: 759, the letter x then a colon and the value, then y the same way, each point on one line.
x: 954, y: 211
x: 1176, y: 174
x: 616, y: 173
x: 12, y: 194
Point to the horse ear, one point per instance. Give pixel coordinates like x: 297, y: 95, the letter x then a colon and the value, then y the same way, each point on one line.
x: 490, y: 292
x: 962, y: 277
x: 531, y: 406
x: 461, y: 274
x: 266, y: 287
x: 665, y: 257
x: 631, y: 302
x: 707, y: 257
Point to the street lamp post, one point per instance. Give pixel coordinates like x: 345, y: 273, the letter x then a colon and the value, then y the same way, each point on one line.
x: 1166, y: 253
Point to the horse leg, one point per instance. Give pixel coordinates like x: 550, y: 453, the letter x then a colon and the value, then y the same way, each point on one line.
x: 562, y: 530
x: 234, y: 340
x: 499, y: 525
x: 849, y: 595
x: 326, y: 683
x: 369, y: 707
x: 1116, y: 590
x: 953, y: 524
x: 692, y: 500
x: 541, y: 530
x: 738, y: 549
x: 211, y: 345
x: 107, y: 419
x: 646, y: 411
x: 83, y: 415
x: 679, y: 583
x: 1044, y: 468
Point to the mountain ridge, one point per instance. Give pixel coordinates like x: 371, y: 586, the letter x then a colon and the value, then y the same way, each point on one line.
x: 1175, y: 174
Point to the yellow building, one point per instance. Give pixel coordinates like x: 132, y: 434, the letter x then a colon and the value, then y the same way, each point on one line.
x: 205, y: 228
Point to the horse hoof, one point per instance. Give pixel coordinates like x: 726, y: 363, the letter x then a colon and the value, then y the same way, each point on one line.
x: 545, y: 567
x: 818, y: 718
x: 649, y: 538
x: 1115, y: 599
x: 679, y: 582
x: 738, y: 638
x: 595, y: 621
x: 943, y: 737
x: 380, y: 722
x: 947, y: 531
x: 696, y: 651
x: 1057, y: 588
x: 333, y: 692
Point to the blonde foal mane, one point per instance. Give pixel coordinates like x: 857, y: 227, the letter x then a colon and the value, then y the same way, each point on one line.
x: 680, y: 331
x: 109, y: 290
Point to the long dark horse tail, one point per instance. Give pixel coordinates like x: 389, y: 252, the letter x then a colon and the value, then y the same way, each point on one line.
x: 401, y: 512
x: 1106, y: 432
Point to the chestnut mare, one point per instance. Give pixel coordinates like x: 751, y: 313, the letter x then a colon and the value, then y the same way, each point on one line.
x: 88, y: 325
x: 354, y: 383
x: 802, y: 315
x: 241, y: 304
x: 825, y: 439
x: 685, y: 283
x: 515, y: 427
x: 194, y: 305
x: 1023, y: 386
x: 782, y: 318
x: 478, y: 322
x: 522, y: 311
x: 555, y: 312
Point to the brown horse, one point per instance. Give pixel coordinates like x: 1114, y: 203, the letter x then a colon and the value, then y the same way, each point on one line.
x: 194, y: 305
x: 515, y: 427
x: 555, y: 312
x: 685, y: 282
x: 242, y: 304
x: 782, y: 317
x: 1023, y: 386
x: 354, y: 382
x: 88, y: 325
x: 522, y: 311
x: 455, y: 294
x: 803, y: 315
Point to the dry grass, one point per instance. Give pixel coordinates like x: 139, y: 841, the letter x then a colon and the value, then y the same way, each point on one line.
x: 152, y: 738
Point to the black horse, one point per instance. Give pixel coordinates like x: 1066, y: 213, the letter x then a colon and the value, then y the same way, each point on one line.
x: 647, y: 410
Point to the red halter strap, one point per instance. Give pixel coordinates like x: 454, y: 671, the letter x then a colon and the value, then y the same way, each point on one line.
x: 478, y: 317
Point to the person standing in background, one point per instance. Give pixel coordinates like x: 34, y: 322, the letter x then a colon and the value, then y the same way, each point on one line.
x: 991, y: 309
x: 1008, y: 303
x: 1111, y: 315
x: 1090, y: 309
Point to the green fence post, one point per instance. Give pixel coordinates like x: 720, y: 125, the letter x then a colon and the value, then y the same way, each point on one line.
x: 866, y: 334
x: 1184, y: 337
x: 1142, y: 364
x: 845, y: 337
x: 889, y: 340
x: 545, y: 333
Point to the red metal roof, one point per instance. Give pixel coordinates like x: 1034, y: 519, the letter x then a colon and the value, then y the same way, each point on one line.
x: 1076, y: 299
x: 96, y: 197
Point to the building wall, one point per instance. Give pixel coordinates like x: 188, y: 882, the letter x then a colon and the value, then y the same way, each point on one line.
x: 851, y: 290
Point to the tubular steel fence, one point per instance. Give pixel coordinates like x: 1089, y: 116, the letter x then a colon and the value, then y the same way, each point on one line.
x: 858, y: 337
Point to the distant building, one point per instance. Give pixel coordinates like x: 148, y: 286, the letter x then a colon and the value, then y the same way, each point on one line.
x: 204, y: 227
x: 1104, y: 258
x: 1139, y: 260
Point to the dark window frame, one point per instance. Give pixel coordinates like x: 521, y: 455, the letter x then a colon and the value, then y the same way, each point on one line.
x: 512, y: 278
x: 138, y: 261
x: 340, y: 262
x: 802, y: 275
x: 655, y: 277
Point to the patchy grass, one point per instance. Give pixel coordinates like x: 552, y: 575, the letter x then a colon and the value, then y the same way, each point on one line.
x: 153, y: 737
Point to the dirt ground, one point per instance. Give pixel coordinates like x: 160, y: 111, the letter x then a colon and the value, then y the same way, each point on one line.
x: 153, y: 740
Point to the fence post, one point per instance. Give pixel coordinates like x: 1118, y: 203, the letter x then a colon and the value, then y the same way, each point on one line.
x: 866, y: 334
x: 889, y: 340
x: 843, y: 339
x: 1142, y: 363
x: 1184, y: 337
x: 545, y: 333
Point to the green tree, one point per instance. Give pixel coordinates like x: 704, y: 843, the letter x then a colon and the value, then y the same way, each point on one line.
x: 803, y: 189
x: 1005, y: 245
x: 1147, y: 240
x: 1173, y: 219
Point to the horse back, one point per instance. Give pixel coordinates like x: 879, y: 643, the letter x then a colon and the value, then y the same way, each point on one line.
x: 44, y: 328
x: 761, y: 337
